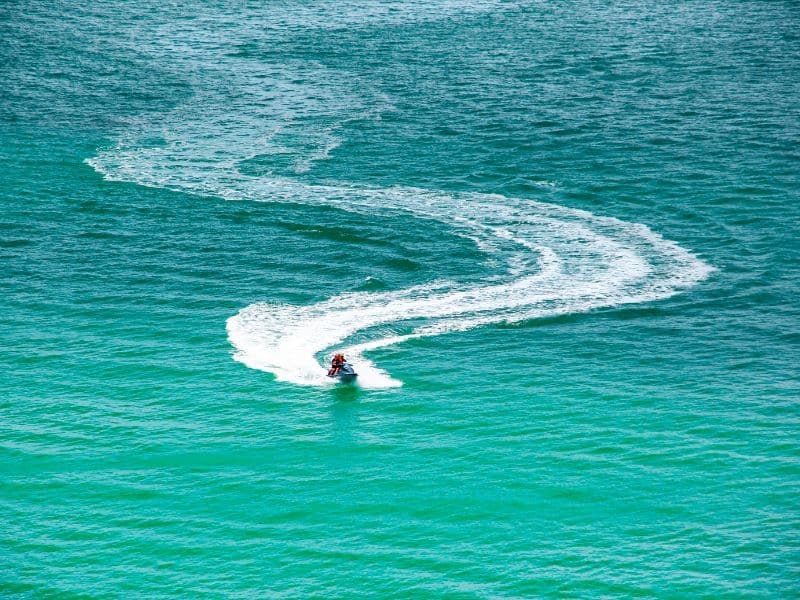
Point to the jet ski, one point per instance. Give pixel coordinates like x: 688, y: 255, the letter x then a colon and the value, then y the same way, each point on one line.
x: 346, y: 374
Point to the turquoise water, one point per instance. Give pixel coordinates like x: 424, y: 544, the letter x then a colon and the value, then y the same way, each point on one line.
x: 559, y: 242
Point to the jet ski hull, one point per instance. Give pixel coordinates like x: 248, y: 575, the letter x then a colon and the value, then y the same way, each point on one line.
x: 346, y: 377
x: 346, y: 374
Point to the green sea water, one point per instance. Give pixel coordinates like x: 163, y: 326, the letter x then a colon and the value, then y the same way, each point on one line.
x: 559, y: 241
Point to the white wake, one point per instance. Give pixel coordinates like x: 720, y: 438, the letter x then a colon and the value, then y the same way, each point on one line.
x: 555, y: 260
x: 560, y: 261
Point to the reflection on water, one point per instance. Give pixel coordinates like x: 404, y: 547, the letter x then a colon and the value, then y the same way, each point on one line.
x: 345, y: 393
x: 344, y: 411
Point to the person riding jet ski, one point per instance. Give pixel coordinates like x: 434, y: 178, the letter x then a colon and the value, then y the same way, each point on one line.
x: 336, y: 365
x: 341, y: 369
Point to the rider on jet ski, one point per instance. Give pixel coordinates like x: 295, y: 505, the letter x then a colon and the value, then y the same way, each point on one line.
x: 336, y: 364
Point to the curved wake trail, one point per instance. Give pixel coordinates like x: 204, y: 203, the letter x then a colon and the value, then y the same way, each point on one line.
x: 557, y: 260
x: 574, y: 262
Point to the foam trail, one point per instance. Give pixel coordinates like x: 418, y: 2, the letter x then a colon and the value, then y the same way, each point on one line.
x: 558, y: 260
x: 285, y: 339
x: 231, y: 139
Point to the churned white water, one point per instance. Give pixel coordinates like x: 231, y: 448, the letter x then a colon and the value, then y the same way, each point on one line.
x: 551, y: 260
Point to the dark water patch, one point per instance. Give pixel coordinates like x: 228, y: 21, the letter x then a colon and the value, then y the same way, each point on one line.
x: 15, y: 243
x: 337, y: 234
x: 239, y: 217
x: 405, y: 265
x: 103, y: 235
x: 372, y: 284
x: 98, y: 207
x: 790, y: 337
x: 346, y: 393
x: 247, y: 50
x: 542, y: 321
x: 12, y: 225
x: 647, y: 311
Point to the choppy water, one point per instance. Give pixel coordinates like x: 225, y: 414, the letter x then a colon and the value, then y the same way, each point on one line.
x: 558, y: 241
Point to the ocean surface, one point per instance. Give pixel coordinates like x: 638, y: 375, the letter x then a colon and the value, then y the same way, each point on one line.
x: 558, y: 240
